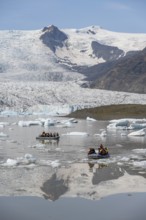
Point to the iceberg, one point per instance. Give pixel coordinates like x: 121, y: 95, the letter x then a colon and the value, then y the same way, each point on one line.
x: 49, y: 122
x: 135, y: 126
x: 11, y: 162
x: 90, y: 119
x: 77, y: 133
x: 3, y: 134
x: 137, y: 133
x: 26, y: 160
x: 28, y: 123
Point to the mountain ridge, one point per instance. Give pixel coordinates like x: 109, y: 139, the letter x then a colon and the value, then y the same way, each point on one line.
x: 53, y: 54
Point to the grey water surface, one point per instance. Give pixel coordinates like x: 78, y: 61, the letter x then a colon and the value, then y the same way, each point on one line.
x: 62, y: 183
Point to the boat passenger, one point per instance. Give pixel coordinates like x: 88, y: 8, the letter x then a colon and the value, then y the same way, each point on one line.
x: 103, y: 150
x: 43, y: 134
x: 54, y: 134
x: 91, y: 151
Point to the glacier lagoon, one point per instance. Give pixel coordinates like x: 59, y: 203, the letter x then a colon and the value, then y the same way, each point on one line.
x: 58, y: 171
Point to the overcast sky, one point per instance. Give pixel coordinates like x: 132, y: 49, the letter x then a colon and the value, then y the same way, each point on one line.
x: 115, y: 15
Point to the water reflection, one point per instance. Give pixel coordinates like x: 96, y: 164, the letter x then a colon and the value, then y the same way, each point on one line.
x: 62, y: 168
x: 54, y: 188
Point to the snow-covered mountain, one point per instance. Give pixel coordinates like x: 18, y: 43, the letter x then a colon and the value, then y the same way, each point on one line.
x: 41, y: 67
x: 53, y: 54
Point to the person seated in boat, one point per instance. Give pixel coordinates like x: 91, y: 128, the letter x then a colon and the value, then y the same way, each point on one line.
x: 43, y: 134
x: 91, y: 151
x: 103, y: 150
x: 54, y: 134
x: 57, y: 135
x: 51, y: 135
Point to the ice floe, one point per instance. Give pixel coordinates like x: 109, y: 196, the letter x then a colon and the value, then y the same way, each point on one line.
x: 90, y: 119
x: 140, y: 151
x: 77, y: 133
x: 26, y: 160
x: 28, y: 123
x: 140, y: 132
x: 3, y: 134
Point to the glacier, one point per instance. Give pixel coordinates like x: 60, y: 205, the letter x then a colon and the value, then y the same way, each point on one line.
x: 57, y: 98
x: 35, y: 80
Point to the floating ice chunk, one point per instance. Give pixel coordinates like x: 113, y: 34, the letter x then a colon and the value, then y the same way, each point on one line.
x: 97, y: 134
x: 28, y: 123
x: 137, y: 133
x: 49, y: 122
x: 78, y: 133
x: 118, y: 124
x: 140, y: 151
x: 68, y: 124
x: 123, y: 134
x: 3, y: 134
x: 4, y: 123
x: 103, y: 133
x: 90, y: 119
x: 114, y: 126
x: 125, y: 159
x: 122, y: 122
x: 73, y: 120
x: 27, y: 159
x: 38, y: 146
x: 111, y: 126
x: 30, y: 158
x: 11, y: 162
x: 141, y: 164
x: 135, y: 126
x: 55, y: 163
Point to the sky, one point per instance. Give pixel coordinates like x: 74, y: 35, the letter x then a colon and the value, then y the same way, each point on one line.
x: 115, y: 15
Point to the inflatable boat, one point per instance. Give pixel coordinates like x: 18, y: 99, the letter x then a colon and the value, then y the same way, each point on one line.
x: 98, y: 156
x: 48, y: 138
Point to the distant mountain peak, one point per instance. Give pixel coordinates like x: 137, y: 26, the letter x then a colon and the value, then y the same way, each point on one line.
x: 50, y: 28
x: 53, y: 37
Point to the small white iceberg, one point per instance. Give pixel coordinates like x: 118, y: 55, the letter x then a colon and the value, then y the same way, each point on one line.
x: 28, y: 123
x: 137, y: 133
x: 27, y: 159
x: 49, y: 122
x: 11, y: 162
x: 78, y: 133
x: 90, y: 119
x: 3, y: 134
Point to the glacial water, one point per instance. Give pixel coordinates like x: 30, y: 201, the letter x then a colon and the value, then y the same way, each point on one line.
x: 59, y: 171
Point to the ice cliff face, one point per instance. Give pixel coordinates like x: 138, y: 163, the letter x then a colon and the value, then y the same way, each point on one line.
x: 57, y: 98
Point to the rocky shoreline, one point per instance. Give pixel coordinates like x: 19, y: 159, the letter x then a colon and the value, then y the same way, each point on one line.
x: 112, y: 112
